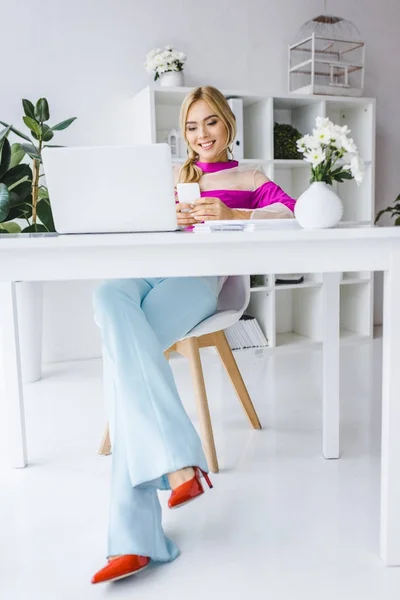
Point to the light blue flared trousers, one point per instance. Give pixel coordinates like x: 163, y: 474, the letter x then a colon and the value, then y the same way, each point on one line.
x: 150, y: 432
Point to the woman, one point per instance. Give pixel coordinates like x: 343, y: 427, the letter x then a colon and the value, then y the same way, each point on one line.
x: 155, y: 446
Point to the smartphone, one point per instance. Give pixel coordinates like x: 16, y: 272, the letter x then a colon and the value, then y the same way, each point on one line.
x: 188, y: 193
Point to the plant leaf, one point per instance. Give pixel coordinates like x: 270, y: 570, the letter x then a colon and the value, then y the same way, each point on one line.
x: 17, y: 174
x: 42, y: 111
x: 17, y: 154
x: 43, y: 192
x: 5, y: 156
x: 380, y: 213
x: 33, y: 126
x: 29, y: 109
x: 4, y: 133
x: 45, y: 215
x: 23, y: 210
x: 10, y: 227
x: 63, y: 124
x: 25, y: 137
x: 47, y: 133
x: 31, y: 151
x: 4, y: 202
x: 35, y: 229
x: 22, y: 189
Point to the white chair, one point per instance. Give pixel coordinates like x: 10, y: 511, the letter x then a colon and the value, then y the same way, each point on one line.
x: 232, y: 302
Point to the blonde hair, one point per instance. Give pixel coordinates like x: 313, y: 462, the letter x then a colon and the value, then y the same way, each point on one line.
x: 189, y: 172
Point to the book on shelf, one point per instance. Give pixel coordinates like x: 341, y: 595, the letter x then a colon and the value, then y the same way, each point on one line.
x: 286, y: 279
x: 246, y: 333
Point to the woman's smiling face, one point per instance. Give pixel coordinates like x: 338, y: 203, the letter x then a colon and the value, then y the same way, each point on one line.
x: 206, y: 133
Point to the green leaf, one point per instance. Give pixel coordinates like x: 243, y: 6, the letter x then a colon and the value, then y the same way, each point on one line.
x: 4, y: 133
x: 17, y: 154
x: 35, y: 229
x: 10, y: 227
x: 5, y: 156
x: 16, y: 174
x: 43, y: 192
x: 380, y: 213
x: 47, y: 133
x: 45, y: 215
x: 31, y: 151
x: 42, y: 111
x: 33, y: 126
x: 22, y: 210
x: 25, y: 137
x: 22, y: 190
x: 29, y: 109
x: 63, y: 124
x: 4, y: 202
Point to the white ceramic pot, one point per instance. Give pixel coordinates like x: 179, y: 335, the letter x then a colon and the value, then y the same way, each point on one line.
x: 172, y: 79
x: 318, y: 207
x: 30, y: 318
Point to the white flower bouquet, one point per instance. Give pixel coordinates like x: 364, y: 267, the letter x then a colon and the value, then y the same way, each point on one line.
x: 161, y: 61
x: 332, y: 153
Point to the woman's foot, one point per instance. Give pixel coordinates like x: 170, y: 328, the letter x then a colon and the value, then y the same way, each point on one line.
x: 177, y: 478
x: 121, y: 566
x: 188, y: 486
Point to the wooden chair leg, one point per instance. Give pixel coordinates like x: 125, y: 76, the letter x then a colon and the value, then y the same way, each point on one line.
x: 231, y: 368
x: 190, y: 349
x: 105, y: 446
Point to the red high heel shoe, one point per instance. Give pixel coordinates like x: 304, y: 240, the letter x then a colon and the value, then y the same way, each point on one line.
x: 189, y: 490
x: 120, y: 567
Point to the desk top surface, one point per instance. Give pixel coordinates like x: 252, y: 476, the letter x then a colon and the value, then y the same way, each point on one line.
x: 177, y: 238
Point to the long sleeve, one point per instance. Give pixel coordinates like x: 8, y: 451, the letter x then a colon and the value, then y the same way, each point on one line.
x: 269, y: 193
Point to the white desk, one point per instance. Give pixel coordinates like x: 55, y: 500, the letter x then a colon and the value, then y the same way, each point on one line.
x: 38, y: 258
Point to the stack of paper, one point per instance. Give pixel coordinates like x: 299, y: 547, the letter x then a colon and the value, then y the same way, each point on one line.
x: 246, y: 333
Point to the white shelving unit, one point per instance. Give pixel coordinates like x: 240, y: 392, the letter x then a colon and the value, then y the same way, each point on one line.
x: 290, y: 315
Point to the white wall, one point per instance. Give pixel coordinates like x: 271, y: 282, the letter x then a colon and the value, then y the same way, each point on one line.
x: 87, y: 58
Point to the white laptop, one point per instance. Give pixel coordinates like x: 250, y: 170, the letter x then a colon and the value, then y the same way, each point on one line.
x: 111, y: 189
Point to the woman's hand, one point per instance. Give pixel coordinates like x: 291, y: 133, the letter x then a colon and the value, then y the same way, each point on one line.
x: 210, y: 209
x: 185, y: 219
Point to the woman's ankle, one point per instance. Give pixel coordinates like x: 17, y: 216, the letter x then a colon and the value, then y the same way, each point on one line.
x: 177, y: 478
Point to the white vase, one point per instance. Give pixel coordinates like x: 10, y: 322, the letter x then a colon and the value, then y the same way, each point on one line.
x: 172, y: 79
x: 318, y: 207
x: 30, y: 319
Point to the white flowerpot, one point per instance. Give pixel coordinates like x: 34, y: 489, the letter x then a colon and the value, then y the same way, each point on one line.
x: 30, y: 320
x: 318, y: 207
x: 172, y: 79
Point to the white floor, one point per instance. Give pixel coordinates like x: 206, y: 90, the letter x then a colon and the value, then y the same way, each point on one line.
x: 280, y: 523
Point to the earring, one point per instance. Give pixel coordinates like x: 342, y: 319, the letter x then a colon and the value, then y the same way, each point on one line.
x: 230, y: 149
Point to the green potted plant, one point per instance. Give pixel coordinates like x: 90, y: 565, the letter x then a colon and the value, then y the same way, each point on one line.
x: 394, y: 211
x: 21, y: 195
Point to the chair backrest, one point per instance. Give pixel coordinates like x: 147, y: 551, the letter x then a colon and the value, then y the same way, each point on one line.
x: 235, y: 294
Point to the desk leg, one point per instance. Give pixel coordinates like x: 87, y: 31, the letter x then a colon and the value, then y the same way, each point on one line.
x: 12, y: 375
x: 390, y: 471
x: 330, y: 362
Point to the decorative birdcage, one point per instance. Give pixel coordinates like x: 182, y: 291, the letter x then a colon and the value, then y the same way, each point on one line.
x: 327, y: 59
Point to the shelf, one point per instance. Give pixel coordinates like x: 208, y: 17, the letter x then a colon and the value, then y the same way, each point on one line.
x: 291, y: 315
x: 296, y: 163
x: 175, y: 95
x: 354, y: 280
x: 294, y: 339
x: 261, y: 288
x: 298, y: 286
x: 347, y: 336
